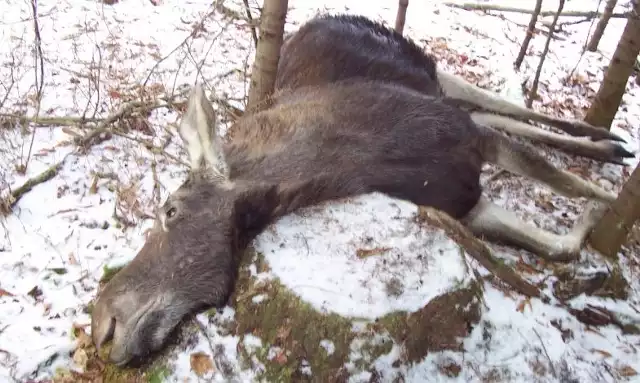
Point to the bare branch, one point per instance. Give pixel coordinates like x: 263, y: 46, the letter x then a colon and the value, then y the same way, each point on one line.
x: 252, y: 25
x: 39, y: 78
x: 529, y: 35
x: 536, y: 79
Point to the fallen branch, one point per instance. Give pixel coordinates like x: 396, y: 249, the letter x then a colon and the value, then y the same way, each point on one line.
x: 46, y: 121
x: 500, y: 8
x: 7, y: 203
x: 478, y: 250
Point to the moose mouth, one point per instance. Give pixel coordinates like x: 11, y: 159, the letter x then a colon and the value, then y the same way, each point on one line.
x: 143, y: 333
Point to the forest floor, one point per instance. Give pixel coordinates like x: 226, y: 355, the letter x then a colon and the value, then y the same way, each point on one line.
x: 356, y: 290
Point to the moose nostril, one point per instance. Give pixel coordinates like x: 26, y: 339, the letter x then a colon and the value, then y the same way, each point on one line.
x: 105, y: 334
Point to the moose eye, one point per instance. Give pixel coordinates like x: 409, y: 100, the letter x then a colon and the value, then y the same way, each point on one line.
x: 171, y: 212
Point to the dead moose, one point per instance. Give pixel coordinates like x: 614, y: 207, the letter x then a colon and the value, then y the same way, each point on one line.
x: 331, y: 48
x: 320, y: 142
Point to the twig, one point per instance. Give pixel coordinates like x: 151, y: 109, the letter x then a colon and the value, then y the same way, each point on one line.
x: 7, y: 203
x: 584, y: 48
x: 39, y: 78
x: 478, y: 250
x: 193, y: 32
x: 490, y: 7
x: 8, y: 89
x: 48, y: 121
x: 536, y: 79
x: 529, y: 35
x: 252, y: 25
x: 103, y: 126
x: 544, y: 348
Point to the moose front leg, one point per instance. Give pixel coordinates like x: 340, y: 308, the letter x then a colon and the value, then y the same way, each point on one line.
x: 457, y: 88
x: 497, y: 224
x: 603, y: 150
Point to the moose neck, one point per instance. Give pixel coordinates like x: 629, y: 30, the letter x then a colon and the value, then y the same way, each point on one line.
x: 277, y: 183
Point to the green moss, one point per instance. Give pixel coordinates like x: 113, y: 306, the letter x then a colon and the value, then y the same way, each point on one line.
x: 290, y: 329
x: 109, y: 272
x: 158, y: 374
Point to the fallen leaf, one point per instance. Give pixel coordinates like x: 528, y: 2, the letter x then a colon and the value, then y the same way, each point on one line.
x: 281, y: 357
x: 72, y: 259
x: 627, y: 371
x: 523, y: 303
x: 201, y: 363
x: 283, y: 333
x: 81, y: 358
x: 601, y: 352
x: 364, y: 253
x: 114, y: 93
x: 93, y: 189
x: 5, y: 293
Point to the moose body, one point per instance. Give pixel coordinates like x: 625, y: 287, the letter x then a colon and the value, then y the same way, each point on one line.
x: 332, y: 48
x: 315, y: 143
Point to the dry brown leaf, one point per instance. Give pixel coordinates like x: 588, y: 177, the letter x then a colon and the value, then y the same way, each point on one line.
x: 114, y: 93
x: 283, y: 333
x: 93, y: 189
x: 5, y: 293
x: 627, y: 371
x: 364, y: 253
x: 81, y: 358
x: 72, y: 259
x: 201, y: 363
x: 523, y: 303
x: 281, y: 357
x: 524, y: 267
x: 601, y: 352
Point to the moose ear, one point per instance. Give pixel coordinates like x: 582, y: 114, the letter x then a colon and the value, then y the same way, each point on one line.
x: 199, y: 131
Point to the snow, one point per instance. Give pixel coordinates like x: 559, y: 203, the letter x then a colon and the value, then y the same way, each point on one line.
x: 62, y: 233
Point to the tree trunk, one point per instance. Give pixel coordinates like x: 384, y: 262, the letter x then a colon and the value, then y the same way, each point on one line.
x: 263, y: 74
x: 529, y: 35
x: 536, y: 79
x: 592, y: 46
x: 401, y: 16
x: 607, y: 100
x: 611, y: 232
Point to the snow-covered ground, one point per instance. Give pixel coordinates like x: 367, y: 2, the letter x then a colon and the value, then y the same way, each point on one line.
x: 62, y: 233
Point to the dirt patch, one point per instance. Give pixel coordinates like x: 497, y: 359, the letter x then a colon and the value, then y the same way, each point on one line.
x: 571, y: 283
x: 440, y: 325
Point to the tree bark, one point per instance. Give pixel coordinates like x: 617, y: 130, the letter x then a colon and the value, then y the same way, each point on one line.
x: 611, y: 232
x: 592, y: 46
x: 536, y: 78
x: 530, y: 30
x: 401, y: 16
x: 607, y: 100
x: 263, y: 74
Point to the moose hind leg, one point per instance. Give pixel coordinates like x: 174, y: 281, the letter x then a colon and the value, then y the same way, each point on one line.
x: 457, y: 88
x: 497, y: 224
x: 603, y: 150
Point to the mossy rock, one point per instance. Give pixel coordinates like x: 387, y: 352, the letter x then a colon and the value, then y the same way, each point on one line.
x: 299, y: 343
